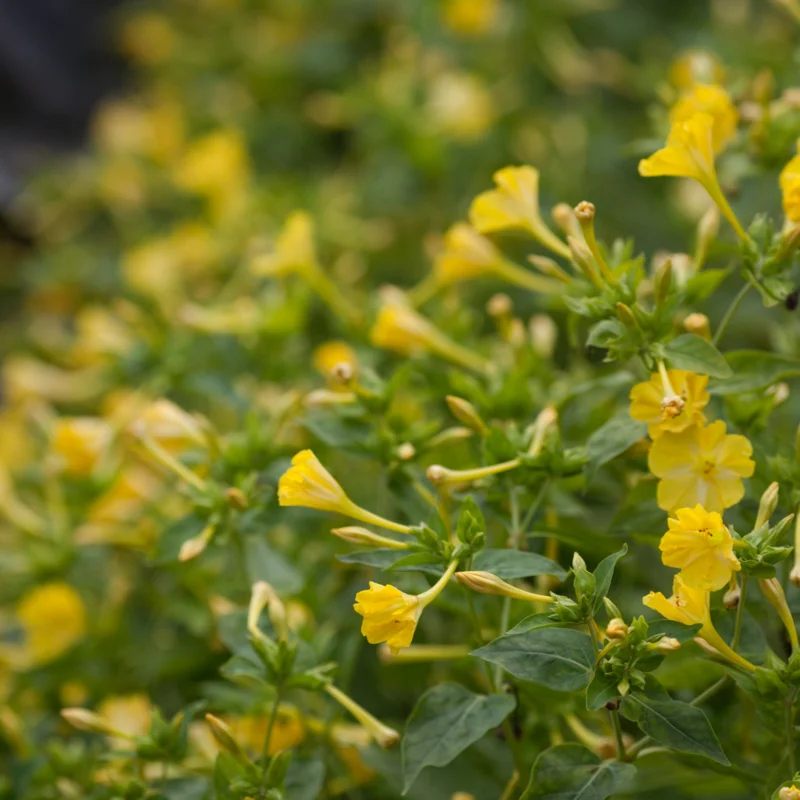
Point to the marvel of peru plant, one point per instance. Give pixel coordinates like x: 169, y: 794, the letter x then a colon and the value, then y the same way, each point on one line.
x: 336, y: 461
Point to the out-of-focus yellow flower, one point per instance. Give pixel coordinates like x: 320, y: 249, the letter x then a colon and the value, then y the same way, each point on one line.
x: 460, y: 106
x: 216, y: 167
x: 699, y: 544
x: 80, y: 443
x: 53, y: 619
x: 466, y: 255
x: 695, y: 66
x: 470, y: 17
x: 26, y: 378
x: 514, y: 204
x: 333, y: 357
x: 701, y: 466
x: 148, y: 38
x: 17, y: 446
x: 790, y: 189
x: 241, y: 317
x: 390, y: 615
x: 693, y: 607
x: 671, y: 400
x: 294, y: 249
x: 153, y: 269
x: 99, y: 334
x: 309, y: 485
x: 689, y: 153
x: 167, y: 424
x: 250, y: 732
x: 401, y: 329
x: 121, y: 184
x: 130, y: 714
x: 712, y: 100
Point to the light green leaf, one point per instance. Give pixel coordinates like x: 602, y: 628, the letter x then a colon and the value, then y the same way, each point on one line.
x: 754, y: 370
x: 446, y: 720
x: 694, y: 353
x: 559, y: 658
x: 674, y: 724
x: 509, y: 564
x: 611, y: 439
x: 571, y: 772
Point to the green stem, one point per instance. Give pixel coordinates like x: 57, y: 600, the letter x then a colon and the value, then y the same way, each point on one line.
x: 731, y: 311
x: 710, y: 692
x: 268, y: 736
x: 737, y: 628
x: 789, y: 718
x: 613, y: 715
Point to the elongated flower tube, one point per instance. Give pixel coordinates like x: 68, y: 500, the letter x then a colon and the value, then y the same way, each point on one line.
x: 773, y: 591
x: 692, y: 607
x: 362, y: 536
x: 487, y: 583
x: 391, y: 616
x: 401, y: 329
x: 385, y: 736
x: 514, y: 204
x: 309, y: 485
x: 689, y: 153
x: 700, y: 545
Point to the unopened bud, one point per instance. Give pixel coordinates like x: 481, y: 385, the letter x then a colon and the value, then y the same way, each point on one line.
x: 627, y: 317
x: 449, y: 435
x: 543, y: 332
x: 616, y: 629
x: 773, y: 591
x: 550, y: 268
x: 769, y: 501
x: 499, y: 305
x: 192, y: 548
x: 465, y: 412
x: 780, y: 393
x: 623, y: 687
x: 462, y: 796
x: 789, y: 793
x: 487, y: 583
x: 577, y: 562
x: 515, y: 335
x: 584, y: 211
x: 611, y: 609
x: 794, y: 576
x: 85, y: 720
x: 342, y: 374
x: 236, y: 498
x: 699, y: 325
x: 732, y: 598
x: 662, y: 283
x: 564, y: 217
x: 223, y: 736
x: 264, y: 596
x: 764, y: 87
x: 436, y: 474
x: 583, y: 259
x: 707, y: 230
x: 667, y: 644
x: 406, y: 451
x: 361, y: 536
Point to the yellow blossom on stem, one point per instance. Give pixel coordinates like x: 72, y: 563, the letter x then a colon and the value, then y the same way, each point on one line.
x: 672, y: 400
x: 689, y: 153
x: 337, y: 361
x: 514, y: 204
x: 692, y: 607
x: 713, y: 100
x: 790, y: 189
x: 294, y: 249
x: 79, y: 443
x: 391, y: 615
x: 309, y: 485
x: 701, y: 466
x: 699, y: 544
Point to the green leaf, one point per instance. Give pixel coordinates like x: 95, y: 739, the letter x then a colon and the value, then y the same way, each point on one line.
x: 611, y: 439
x: 446, y: 720
x: 533, y: 622
x: 264, y: 563
x: 603, y: 575
x: 755, y: 370
x: 385, y: 558
x: 571, y: 772
x: 304, y: 779
x: 559, y: 658
x: 694, y: 353
x: 509, y: 564
x: 674, y: 724
x: 675, y: 630
x: 601, y: 689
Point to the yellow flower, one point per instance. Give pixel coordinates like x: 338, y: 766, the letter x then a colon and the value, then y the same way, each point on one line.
x: 699, y: 544
x: 130, y: 714
x: 148, y: 38
x: 309, y: 485
x: 169, y: 426
x: 460, y: 106
x: 401, y: 329
x: 672, y: 400
x: 53, y: 618
x: 701, y: 465
x: 466, y: 255
x: 689, y: 153
x: 695, y: 66
x: 26, y: 378
x: 790, y: 189
x: 332, y: 357
x: 713, y: 100
x: 470, y: 17
x: 79, y: 443
x: 294, y: 249
x: 153, y: 269
x: 514, y: 204
x: 693, y: 607
x: 390, y: 615
x: 250, y: 731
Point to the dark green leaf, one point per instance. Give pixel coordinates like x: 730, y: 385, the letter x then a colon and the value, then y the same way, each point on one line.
x: 571, y: 772
x: 446, y: 720
x: 611, y: 439
x: 533, y: 622
x: 694, y: 353
x: 675, y: 630
x: 754, y: 370
x: 304, y: 779
x: 509, y: 564
x: 266, y: 564
x: 603, y: 575
x: 601, y: 689
x: 385, y: 559
x: 559, y: 658
x: 674, y: 724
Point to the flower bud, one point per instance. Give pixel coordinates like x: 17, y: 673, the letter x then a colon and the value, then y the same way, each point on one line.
x: 769, y: 501
x: 611, y: 609
x: 264, y: 596
x: 193, y: 547
x: 85, y: 720
x: 662, y: 283
x: 623, y: 687
x: 361, y: 536
x: 406, y: 451
x: 223, y: 736
x: 577, y: 562
x: 565, y: 219
x: 543, y: 332
x: 499, y: 306
x: 667, y: 644
x: 582, y: 258
x: 616, y: 629
x: 780, y: 393
x: 732, y: 598
x: 465, y: 412
x: 550, y: 268
x: 773, y: 591
x: 236, y: 498
x: 699, y: 325
x: 789, y: 793
x: 486, y: 583
x: 707, y: 230
x: 627, y: 317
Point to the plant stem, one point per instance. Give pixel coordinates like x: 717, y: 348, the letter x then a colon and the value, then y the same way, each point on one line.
x: 615, y: 724
x: 710, y: 692
x: 268, y: 736
x: 513, y: 745
x: 789, y: 718
x: 737, y: 629
x: 730, y: 312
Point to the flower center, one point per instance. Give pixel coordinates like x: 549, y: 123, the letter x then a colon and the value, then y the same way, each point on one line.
x: 672, y: 406
x: 708, y: 467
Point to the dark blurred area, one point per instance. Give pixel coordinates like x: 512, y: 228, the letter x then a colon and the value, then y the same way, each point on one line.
x: 56, y: 62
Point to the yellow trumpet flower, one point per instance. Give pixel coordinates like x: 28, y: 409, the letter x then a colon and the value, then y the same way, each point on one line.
x: 699, y: 544
x: 709, y: 99
x: 672, y: 400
